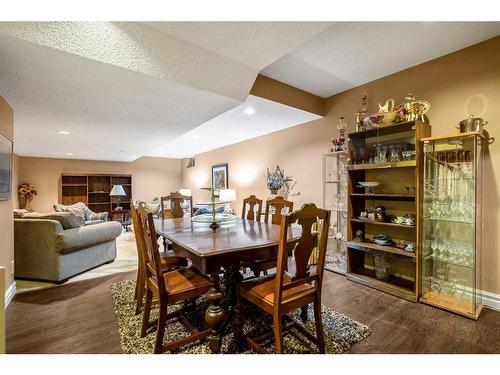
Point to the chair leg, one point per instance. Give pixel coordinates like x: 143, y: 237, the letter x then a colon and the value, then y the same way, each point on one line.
x: 319, y: 325
x: 140, y: 286
x: 278, y: 334
x: 147, y: 313
x: 160, y: 330
x: 303, y: 313
x: 165, y: 245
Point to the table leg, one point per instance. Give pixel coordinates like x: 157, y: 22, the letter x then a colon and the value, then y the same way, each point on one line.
x: 215, y: 314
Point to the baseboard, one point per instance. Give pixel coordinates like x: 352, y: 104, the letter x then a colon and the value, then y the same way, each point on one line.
x: 491, y: 300
x: 10, y: 293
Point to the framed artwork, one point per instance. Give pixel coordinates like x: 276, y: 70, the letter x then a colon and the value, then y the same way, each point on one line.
x: 220, y: 177
x: 5, y: 168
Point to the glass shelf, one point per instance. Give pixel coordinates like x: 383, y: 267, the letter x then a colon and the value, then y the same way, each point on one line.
x: 452, y: 181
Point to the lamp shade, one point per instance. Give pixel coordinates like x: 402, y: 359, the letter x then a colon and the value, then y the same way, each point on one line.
x: 227, y: 195
x: 117, y: 191
x: 186, y: 192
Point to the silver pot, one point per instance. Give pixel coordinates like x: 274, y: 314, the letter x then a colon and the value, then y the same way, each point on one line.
x: 471, y: 124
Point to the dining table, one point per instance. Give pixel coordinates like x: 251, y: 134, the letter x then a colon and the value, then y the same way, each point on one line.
x: 222, y: 252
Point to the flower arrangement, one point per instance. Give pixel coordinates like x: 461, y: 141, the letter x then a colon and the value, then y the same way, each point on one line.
x: 26, y: 193
x: 27, y: 190
x: 279, y: 183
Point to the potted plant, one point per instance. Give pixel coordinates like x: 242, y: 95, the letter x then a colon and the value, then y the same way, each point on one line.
x: 277, y: 180
x: 26, y: 193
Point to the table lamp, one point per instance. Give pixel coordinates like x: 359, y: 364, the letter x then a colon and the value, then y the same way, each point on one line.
x: 118, y: 191
x: 227, y: 195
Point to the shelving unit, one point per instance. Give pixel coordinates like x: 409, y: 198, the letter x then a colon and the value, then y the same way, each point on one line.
x: 335, y: 200
x: 402, y: 279
x: 94, y: 189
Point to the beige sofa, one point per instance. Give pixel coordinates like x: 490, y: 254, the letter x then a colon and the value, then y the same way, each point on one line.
x: 54, y: 247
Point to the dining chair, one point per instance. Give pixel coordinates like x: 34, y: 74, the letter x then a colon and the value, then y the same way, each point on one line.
x: 171, y: 208
x: 272, y: 212
x: 252, y: 208
x: 274, y: 207
x: 282, y: 293
x: 168, y: 260
x: 171, y: 287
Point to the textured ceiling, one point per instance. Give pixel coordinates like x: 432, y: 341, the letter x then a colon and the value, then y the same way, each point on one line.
x: 353, y: 53
x: 236, y: 126
x: 256, y: 44
x: 121, y: 89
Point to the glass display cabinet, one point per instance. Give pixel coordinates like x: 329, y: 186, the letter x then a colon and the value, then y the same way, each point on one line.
x: 335, y: 200
x: 452, y: 222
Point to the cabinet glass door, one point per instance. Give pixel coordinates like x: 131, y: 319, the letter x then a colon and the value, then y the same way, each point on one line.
x: 451, y: 224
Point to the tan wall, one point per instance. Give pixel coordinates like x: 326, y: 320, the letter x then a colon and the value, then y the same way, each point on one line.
x: 446, y: 82
x: 151, y: 177
x: 6, y: 220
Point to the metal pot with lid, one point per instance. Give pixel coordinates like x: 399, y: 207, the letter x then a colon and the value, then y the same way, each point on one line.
x: 471, y: 124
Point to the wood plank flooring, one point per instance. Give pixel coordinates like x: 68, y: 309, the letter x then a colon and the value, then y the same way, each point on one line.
x: 79, y: 318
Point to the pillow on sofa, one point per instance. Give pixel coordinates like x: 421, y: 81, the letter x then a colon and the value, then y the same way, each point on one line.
x: 67, y: 220
x: 78, y: 209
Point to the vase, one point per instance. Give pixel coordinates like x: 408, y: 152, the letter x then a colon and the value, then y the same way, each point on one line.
x: 274, y: 191
x: 382, y: 266
x: 26, y: 204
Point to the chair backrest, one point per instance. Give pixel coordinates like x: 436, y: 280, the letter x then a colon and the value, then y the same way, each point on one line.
x: 306, y: 216
x: 139, y: 236
x: 150, y: 250
x: 175, y: 200
x: 278, y: 204
x: 253, y: 214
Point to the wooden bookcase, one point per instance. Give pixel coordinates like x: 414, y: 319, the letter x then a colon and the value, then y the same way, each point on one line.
x: 94, y: 189
x: 393, y: 194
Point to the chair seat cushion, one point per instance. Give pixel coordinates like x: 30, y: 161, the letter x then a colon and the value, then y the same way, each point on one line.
x: 185, y: 280
x: 262, y: 289
x: 169, y: 260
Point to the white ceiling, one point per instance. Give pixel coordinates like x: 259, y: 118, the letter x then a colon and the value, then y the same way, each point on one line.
x: 121, y: 89
x: 256, y: 44
x: 235, y: 126
x: 353, y: 53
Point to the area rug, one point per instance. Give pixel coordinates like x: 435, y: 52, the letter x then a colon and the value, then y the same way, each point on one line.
x: 340, y: 331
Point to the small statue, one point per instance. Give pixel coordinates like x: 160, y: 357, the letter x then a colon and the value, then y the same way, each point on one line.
x: 360, y: 125
x: 359, y: 236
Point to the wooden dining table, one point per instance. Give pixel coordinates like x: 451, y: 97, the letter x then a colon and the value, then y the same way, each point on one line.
x: 222, y: 252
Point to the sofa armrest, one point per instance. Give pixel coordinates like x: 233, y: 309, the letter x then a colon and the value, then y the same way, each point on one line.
x: 78, y: 238
x: 35, y: 245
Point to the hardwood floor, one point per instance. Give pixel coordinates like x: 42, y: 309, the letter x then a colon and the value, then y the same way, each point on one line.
x: 79, y: 318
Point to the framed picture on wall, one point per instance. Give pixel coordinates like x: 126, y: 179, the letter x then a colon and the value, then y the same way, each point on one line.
x: 5, y: 168
x: 220, y: 177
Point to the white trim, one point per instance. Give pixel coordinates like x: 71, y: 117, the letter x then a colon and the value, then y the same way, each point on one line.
x: 491, y: 300
x: 10, y: 293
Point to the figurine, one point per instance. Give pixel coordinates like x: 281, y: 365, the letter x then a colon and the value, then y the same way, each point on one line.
x: 359, y: 236
x: 360, y: 124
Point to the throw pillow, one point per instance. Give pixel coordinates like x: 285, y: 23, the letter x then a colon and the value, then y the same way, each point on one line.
x: 20, y: 212
x: 67, y: 219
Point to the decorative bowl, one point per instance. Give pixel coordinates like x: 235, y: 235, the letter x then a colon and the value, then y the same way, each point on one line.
x: 368, y: 185
x: 220, y: 218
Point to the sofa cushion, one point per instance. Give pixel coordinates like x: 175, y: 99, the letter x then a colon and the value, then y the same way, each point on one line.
x: 73, y: 239
x: 67, y: 219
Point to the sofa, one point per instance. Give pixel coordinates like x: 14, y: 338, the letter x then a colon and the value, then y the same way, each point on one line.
x: 56, y: 246
x: 83, y: 213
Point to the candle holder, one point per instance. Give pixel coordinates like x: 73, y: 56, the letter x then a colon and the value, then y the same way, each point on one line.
x: 213, y: 225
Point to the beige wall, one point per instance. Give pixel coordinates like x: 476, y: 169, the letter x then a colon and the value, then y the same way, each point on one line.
x: 151, y: 177
x: 447, y: 83
x: 6, y: 220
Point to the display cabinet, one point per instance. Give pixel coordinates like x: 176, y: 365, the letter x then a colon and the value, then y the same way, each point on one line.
x: 335, y: 200
x: 383, y: 199
x: 452, y: 222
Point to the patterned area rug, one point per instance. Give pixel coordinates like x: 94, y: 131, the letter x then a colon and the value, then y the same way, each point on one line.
x: 340, y: 331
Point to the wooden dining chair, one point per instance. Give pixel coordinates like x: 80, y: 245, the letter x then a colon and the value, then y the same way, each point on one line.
x: 171, y: 208
x: 252, y: 208
x: 168, y: 260
x: 274, y: 208
x: 282, y: 293
x: 273, y: 213
x: 169, y: 287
